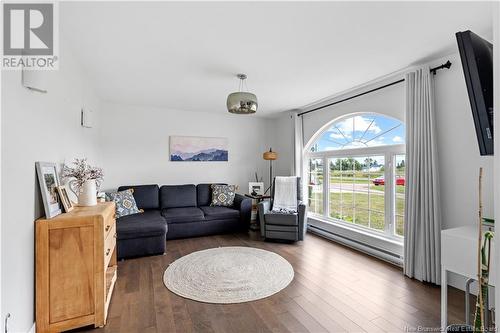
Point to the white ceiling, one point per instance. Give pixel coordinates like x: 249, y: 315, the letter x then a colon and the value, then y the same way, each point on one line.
x: 185, y: 55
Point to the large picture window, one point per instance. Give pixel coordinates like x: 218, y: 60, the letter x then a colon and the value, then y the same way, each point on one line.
x: 356, y: 174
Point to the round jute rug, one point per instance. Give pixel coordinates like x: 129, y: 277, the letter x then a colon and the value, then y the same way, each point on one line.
x: 228, y: 275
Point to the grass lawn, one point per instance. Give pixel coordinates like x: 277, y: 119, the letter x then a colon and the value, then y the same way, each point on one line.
x: 354, y: 207
x: 372, y: 218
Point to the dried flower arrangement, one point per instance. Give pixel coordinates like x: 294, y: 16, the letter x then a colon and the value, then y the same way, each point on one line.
x: 82, y: 172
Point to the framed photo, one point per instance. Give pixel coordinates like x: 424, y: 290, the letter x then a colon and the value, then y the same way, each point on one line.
x: 48, y: 181
x: 256, y: 188
x: 63, y: 196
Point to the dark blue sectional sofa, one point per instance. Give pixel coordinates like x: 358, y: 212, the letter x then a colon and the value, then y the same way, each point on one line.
x: 176, y: 211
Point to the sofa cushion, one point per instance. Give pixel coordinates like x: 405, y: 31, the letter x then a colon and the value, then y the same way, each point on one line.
x: 203, y: 228
x: 184, y: 214
x: 223, y: 195
x: 281, y: 219
x: 175, y: 196
x: 204, y: 194
x: 220, y: 213
x: 124, y: 202
x: 146, y: 196
x: 147, y: 224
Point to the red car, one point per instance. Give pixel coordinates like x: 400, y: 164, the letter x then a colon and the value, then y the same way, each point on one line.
x: 400, y: 180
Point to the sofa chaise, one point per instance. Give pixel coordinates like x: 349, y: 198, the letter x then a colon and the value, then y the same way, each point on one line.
x: 176, y: 211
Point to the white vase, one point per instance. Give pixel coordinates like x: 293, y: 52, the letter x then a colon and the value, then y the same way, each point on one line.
x: 87, y: 195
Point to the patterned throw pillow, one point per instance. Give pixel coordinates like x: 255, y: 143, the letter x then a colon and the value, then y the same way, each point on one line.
x: 124, y: 201
x: 223, y: 195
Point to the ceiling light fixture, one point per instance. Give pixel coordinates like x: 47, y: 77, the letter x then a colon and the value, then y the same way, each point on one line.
x: 241, y: 102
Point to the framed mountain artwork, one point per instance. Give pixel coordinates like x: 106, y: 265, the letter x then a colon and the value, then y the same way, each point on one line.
x: 198, y: 149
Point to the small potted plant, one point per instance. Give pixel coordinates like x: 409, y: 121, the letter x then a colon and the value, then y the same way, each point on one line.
x: 85, y: 181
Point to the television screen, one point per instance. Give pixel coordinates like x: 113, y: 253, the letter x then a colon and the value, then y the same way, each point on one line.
x: 476, y: 55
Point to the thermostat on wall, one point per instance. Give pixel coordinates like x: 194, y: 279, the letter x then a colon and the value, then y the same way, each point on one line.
x: 87, y: 118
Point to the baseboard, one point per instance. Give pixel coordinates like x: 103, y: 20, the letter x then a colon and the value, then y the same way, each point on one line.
x: 33, y: 328
x: 360, y: 239
x: 383, y: 255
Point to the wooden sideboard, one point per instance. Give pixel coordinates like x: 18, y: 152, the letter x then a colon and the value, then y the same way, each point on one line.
x: 75, y: 268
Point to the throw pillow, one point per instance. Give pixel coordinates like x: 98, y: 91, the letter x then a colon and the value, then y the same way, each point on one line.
x: 124, y: 201
x: 223, y: 195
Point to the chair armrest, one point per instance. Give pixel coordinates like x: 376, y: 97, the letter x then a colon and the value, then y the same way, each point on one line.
x: 302, y: 209
x: 263, y: 208
x: 244, y: 205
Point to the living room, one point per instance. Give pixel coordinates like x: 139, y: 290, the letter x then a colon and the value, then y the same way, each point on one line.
x: 253, y: 167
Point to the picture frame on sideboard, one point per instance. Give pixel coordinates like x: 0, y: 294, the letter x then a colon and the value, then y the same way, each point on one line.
x: 65, y: 201
x: 48, y: 182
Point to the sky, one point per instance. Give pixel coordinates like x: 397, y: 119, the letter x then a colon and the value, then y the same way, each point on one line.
x: 362, y: 131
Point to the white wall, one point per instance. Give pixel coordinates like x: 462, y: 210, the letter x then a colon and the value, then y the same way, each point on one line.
x: 35, y: 127
x: 458, y: 151
x: 282, y: 138
x: 135, y: 146
x: 458, y: 154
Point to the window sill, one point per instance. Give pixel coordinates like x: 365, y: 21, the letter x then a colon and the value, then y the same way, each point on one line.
x: 378, y: 245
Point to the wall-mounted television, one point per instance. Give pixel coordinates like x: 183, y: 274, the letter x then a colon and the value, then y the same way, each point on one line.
x: 476, y: 54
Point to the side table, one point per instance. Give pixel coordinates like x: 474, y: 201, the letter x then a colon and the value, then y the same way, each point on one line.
x: 255, y: 225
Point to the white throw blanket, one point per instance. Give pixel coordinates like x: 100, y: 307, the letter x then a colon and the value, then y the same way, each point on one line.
x: 285, y: 195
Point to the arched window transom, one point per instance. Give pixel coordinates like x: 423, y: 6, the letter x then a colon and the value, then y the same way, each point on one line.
x: 360, y: 131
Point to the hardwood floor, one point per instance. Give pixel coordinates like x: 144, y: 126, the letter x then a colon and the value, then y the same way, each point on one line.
x: 335, y: 289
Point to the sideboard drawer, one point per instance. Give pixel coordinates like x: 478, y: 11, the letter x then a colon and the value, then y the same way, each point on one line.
x: 109, y: 245
x: 109, y: 222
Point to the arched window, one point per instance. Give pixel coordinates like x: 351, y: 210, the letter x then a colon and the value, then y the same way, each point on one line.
x: 356, y: 173
x: 360, y: 131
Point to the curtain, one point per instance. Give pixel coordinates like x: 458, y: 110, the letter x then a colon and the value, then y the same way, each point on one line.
x: 422, y: 242
x: 298, y: 144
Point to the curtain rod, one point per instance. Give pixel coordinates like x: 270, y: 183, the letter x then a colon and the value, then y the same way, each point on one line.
x: 446, y: 65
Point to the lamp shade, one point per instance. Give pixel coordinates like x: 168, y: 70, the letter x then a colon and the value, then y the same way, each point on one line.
x: 270, y: 155
x: 242, y: 103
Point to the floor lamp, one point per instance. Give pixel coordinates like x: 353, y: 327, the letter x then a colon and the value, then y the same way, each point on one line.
x: 270, y: 156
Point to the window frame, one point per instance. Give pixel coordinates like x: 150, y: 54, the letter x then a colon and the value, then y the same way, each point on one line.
x: 388, y: 151
x: 306, y: 184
